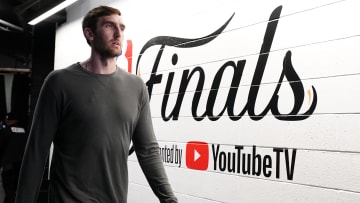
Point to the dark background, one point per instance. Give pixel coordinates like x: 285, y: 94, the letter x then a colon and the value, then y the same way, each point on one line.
x: 27, y: 52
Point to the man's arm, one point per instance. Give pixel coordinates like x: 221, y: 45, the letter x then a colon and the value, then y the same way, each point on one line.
x: 147, y: 151
x: 37, y: 148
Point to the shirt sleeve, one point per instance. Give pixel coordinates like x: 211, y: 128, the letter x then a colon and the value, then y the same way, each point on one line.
x: 147, y: 151
x: 41, y: 134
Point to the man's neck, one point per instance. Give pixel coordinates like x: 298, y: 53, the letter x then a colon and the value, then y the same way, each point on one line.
x: 100, y: 65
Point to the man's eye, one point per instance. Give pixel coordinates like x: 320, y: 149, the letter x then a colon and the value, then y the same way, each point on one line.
x: 108, y: 25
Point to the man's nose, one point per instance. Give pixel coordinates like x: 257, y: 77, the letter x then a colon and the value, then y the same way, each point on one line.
x: 118, y: 31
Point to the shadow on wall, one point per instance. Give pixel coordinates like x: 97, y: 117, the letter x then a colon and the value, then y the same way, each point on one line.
x: 78, y: 10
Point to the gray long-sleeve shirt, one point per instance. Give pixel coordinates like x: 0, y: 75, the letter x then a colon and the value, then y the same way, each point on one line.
x: 91, y: 119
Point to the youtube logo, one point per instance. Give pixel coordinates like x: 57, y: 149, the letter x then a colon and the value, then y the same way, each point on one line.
x: 197, y: 155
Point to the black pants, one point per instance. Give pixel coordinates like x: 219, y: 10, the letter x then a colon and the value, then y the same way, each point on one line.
x: 10, y: 181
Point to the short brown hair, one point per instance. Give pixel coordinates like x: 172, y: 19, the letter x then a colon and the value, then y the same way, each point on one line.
x: 94, y: 14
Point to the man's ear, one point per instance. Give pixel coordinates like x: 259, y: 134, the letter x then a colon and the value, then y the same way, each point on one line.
x: 89, y: 34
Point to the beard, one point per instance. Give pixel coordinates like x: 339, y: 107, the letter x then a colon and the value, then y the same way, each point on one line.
x: 104, y: 49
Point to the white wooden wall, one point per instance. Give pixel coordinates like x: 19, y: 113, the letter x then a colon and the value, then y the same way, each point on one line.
x: 324, y: 39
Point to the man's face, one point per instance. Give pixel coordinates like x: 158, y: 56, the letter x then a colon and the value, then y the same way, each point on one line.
x: 109, y: 36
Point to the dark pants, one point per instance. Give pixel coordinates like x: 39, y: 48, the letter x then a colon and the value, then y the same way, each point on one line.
x: 10, y: 180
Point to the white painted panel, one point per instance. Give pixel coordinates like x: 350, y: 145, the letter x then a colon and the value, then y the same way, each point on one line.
x: 323, y: 37
x: 337, y: 132
x: 312, y: 181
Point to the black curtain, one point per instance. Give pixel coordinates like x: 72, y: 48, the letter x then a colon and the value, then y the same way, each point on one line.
x: 2, y: 98
x: 20, y: 97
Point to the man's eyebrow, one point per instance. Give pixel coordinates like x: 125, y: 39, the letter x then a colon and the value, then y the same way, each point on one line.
x: 108, y: 21
x: 122, y: 25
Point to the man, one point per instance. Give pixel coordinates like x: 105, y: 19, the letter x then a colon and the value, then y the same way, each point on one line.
x: 91, y: 111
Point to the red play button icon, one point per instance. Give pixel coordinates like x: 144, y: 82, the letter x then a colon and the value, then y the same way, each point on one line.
x: 197, y: 155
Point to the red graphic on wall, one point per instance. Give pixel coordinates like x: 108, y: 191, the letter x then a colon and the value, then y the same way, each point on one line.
x: 128, y: 54
x: 197, y: 155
